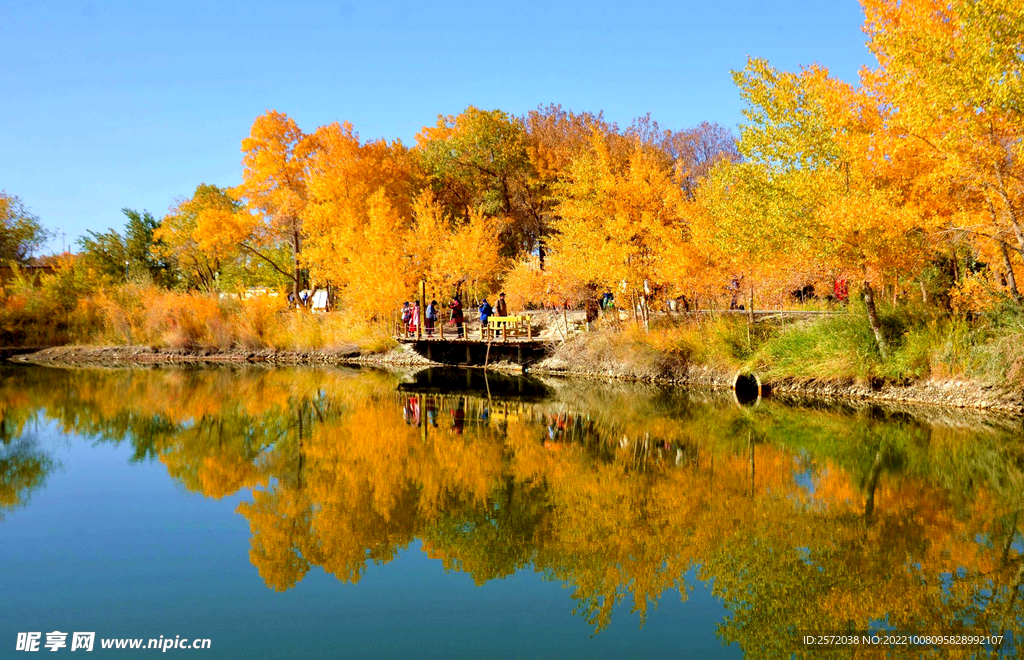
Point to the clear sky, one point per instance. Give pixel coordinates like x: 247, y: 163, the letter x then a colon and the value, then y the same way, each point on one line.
x: 105, y: 105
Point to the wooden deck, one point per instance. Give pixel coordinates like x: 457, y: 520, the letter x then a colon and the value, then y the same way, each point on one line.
x: 499, y: 329
x: 475, y: 338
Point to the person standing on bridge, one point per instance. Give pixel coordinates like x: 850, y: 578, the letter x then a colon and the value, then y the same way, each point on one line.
x: 457, y: 319
x: 485, y: 311
x: 406, y: 317
x: 431, y: 318
x: 502, y: 305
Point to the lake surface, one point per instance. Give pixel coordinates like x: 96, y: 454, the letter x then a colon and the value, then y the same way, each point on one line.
x: 327, y: 512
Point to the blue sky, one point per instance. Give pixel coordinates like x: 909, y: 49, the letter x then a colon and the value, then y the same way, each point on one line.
x: 111, y: 104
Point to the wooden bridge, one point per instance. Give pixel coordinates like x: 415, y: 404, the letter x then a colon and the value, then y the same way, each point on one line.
x: 501, y: 339
x: 516, y: 339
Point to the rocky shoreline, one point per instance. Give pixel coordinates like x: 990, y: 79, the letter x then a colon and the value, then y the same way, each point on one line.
x: 148, y: 355
x: 950, y: 394
x: 955, y: 394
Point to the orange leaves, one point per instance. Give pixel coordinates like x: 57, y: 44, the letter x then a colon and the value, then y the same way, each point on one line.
x: 373, y: 281
x: 619, y: 219
x: 952, y: 74
x: 468, y: 253
x: 358, y: 218
x: 218, y: 231
x: 826, y: 190
x: 273, y: 174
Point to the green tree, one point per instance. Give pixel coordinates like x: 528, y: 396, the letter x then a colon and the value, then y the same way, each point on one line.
x: 479, y: 160
x: 23, y: 469
x: 20, y: 231
x: 132, y: 255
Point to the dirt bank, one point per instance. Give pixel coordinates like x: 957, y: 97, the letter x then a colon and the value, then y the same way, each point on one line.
x: 946, y: 393
x: 125, y: 355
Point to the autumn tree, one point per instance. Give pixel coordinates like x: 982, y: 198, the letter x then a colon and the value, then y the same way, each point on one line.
x: 823, y: 141
x: 370, y: 267
x: 180, y: 241
x: 696, y: 151
x: 273, y: 190
x: 453, y: 255
x: 752, y: 230
x: 621, y: 222
x: 360, y: 197
x: 479, y: 160
x: 555, y: 136
x: 953, y: 74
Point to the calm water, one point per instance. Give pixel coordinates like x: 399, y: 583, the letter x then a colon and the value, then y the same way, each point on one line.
x: 326, y: 512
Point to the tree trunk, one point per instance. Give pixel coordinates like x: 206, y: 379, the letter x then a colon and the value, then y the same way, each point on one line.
x: 1011, y: 279
x: 1010, y: 211
x: 750, y: 446
x: 876, y: 328
x: 297, y: 246
x: 872, y: 485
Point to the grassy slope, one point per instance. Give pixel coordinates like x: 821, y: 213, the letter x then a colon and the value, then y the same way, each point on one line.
x: 987, y: 350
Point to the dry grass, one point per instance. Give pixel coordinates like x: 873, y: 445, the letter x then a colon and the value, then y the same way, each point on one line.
x: 140, y: 314
x: 987, y: 349
x: 628, y: 350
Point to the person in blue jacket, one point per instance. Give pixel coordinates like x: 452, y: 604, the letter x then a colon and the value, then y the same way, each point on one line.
x: 485, y: 311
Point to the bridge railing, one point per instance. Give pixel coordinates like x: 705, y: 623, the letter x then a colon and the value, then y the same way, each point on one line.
x: 507, y: 327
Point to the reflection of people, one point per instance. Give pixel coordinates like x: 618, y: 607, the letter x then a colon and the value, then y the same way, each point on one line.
x: 431, y: 407
x: 459, y: 417
x: 556, y: 427
x: 414, y: 407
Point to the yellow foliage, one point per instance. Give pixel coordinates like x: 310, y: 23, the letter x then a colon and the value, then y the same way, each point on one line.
x: 974, y: 294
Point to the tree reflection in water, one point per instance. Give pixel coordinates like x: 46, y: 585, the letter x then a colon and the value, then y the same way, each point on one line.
x: 801, y: 519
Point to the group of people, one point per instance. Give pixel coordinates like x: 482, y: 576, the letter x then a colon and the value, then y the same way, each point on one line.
x: 412, y: 413
x: 411, y: 314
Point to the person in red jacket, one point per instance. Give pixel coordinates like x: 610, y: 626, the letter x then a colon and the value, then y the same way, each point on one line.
x: 457, y: 319
x: 841, y: 290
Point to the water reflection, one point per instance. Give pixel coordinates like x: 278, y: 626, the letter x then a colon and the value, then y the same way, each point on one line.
x: 801, y: 519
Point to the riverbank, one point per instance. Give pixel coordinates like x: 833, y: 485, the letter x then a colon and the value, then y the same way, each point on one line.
x: 944, y: 393
x: 659, y: 361
x: 567, y: 361
x: 128, y: 355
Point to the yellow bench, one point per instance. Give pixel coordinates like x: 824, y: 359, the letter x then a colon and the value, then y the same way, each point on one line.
x: 508, y: 326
